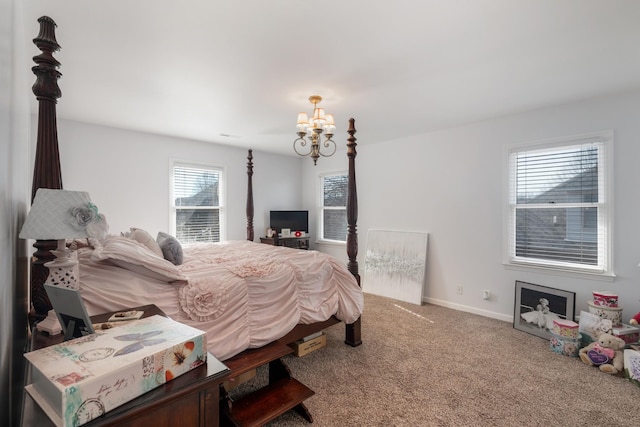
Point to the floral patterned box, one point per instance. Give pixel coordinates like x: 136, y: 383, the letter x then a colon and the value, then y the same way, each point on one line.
x: 564, y: 345
x: 81, y: 379
x: 566, y: 328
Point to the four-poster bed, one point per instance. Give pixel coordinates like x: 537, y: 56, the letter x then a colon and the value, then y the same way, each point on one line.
x: 102, y: 274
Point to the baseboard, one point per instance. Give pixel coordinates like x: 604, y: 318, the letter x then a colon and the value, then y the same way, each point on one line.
x: 469, y: 309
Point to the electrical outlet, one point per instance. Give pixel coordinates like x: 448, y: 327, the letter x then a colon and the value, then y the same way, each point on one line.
x: 459, y: 290
x: 486, y: 294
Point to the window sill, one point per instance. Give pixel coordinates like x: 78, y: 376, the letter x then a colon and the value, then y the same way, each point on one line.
x: 604, y: 277
x: 330, y: 243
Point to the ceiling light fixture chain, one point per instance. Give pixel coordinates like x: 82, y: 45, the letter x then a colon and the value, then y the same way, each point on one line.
x: 312, y: 130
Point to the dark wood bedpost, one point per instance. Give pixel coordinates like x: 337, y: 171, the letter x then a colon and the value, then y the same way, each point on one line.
x: 47, y: 172
x: 250, y: 196
x: 353, y: 333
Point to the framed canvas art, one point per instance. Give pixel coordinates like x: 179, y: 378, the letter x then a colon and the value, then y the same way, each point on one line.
x: 395, y: 264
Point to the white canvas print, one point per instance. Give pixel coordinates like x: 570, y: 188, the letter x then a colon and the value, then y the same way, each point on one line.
x: 395, y: 264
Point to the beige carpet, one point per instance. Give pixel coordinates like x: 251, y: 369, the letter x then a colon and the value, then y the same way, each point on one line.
x: 432, y: 366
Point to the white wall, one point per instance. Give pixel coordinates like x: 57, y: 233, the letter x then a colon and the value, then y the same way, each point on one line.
x: 447, y: 183
x: 450, y: 184
x: 127, y: 176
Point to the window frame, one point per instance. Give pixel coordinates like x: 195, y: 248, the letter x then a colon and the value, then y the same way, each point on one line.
x: 604, y: 269
x: 321, y: 207
x: 222, y: 192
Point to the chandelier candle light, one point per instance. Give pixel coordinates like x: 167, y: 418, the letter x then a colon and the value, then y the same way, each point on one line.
x: 311, y: 131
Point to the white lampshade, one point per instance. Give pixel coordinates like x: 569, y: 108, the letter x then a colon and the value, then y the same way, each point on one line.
x: 303, y: 119
x: 62, y: 214
x: 329, y: 121
x: 318, y: 114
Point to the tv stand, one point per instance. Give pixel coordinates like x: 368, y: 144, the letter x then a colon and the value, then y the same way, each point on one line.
x: 289, y: 242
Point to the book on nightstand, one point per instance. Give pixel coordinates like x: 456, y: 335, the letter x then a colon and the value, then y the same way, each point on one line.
x: 81, y: 379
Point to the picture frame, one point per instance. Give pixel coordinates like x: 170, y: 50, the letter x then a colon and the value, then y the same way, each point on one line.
x: 537, y: 306
x: 285, y: 232
x: 72, y: 314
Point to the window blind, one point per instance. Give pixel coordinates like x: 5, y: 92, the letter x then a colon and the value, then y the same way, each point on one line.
x: 334, y: 207
x: 197, y: 193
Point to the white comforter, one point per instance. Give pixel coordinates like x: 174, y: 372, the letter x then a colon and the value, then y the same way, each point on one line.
x: 242, y: 294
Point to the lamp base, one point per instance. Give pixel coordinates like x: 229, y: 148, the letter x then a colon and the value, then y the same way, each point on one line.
x: 50, y: 324
x: 63, y: 270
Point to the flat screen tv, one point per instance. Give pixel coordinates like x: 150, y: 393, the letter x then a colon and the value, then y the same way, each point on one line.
x: 293, y: 220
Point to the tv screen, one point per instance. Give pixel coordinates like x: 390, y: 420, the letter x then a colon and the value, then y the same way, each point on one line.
x: 293, y: 220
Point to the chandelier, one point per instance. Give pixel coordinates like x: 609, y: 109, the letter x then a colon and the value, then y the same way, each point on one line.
x: 310, y: 131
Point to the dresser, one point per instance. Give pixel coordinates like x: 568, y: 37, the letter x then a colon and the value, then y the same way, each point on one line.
x: 190, y: 400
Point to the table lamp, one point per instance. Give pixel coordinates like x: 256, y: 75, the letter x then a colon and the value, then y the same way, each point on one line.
x: 61, y: 215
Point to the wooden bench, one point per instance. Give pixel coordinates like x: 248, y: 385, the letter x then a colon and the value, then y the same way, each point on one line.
x: 282, y: 394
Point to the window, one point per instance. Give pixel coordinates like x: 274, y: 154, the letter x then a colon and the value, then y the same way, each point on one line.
x: 559, y: 203
x: 333, y: 207
x: 197, y: 201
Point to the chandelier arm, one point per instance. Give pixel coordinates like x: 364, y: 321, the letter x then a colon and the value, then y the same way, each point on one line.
x: 303, y: 143
x: 326, y: 145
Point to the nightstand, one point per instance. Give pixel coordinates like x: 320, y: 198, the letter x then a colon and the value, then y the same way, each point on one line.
x: 289, y: 242
x: 192, y: 399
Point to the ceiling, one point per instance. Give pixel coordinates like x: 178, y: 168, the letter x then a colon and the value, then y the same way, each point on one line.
x: 238, y: 72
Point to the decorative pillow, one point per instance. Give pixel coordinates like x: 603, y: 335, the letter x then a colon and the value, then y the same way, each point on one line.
x: 132, y: 255
x: 139, y: 235
x: 171, y: 248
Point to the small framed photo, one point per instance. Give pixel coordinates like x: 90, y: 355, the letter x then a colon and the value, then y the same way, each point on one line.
x: 537, y: 306
x: 71, y: 312
x: 286, y: 232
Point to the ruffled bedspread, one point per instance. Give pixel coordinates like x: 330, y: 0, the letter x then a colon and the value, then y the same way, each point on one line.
x: 242, y: 294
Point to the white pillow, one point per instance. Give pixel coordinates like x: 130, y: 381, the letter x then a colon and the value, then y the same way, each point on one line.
x: 139, y: 235
x: 132, y: 255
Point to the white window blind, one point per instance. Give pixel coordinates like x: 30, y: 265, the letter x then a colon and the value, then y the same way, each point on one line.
x: 334, y: 207
x: 559, y: 203
x: 197, y: 196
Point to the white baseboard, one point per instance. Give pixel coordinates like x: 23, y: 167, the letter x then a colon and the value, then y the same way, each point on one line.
x: 469, y: 309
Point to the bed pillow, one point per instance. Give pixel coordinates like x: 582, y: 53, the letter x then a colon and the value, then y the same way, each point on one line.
x: 145, y: 238
x: 171, y: 248
x: 134, y: 256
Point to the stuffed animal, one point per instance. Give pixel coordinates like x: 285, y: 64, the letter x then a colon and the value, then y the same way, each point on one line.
x: 606, y: 353
x: 635, y: 319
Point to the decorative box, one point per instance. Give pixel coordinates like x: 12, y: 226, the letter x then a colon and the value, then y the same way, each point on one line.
x: 303, y: 347
x: 81, y: 379
x: 628, y: 333
x: 612, y: 313
x: 564, y: 345
x: 605, y: 299
x: 566, y: 328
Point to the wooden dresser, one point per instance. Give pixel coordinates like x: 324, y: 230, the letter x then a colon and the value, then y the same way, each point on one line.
x: 190, y: 400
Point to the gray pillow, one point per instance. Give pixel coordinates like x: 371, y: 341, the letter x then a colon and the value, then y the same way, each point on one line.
x: 171, y: 248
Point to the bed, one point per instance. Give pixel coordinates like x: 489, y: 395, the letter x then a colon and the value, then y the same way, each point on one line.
x: 249, y: 304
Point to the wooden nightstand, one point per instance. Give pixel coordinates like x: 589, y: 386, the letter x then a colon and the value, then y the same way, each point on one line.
x: 192, y: 399
x: 289, y: 242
